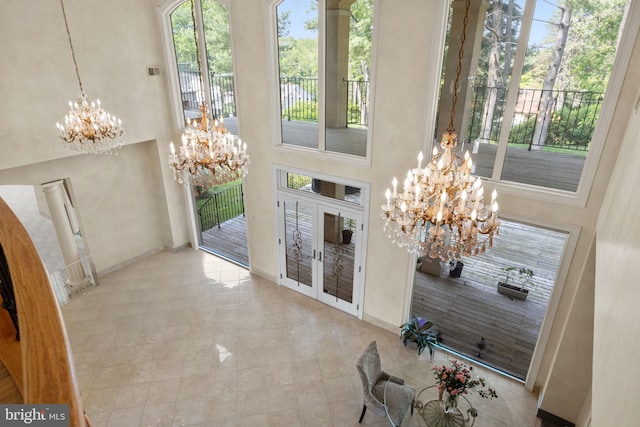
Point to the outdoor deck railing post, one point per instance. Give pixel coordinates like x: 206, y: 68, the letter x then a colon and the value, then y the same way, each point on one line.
x: 215, y: 203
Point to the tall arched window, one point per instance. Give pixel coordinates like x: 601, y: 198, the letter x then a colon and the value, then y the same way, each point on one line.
x: 202, y: 47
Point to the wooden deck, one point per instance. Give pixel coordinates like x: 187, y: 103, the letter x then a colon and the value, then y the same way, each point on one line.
x: 229, y: 240
x: 467, y: 309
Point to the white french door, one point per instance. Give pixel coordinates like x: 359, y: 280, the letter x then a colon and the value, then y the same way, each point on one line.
x: 321, y: 250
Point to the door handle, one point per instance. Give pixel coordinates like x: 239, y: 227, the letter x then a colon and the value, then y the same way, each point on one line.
x: 320, y: 256
x: 314, y: 254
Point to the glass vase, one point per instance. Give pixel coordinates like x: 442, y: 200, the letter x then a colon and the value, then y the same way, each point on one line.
x: 450, y: 404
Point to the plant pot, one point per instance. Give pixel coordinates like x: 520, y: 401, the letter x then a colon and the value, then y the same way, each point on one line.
x: 512, y: 291
x: 456, y: 271
x: 346, y: 236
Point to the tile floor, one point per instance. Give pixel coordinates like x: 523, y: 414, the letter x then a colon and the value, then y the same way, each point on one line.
x: 188, y: 339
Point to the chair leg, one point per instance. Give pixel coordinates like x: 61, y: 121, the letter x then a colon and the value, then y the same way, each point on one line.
x: 364, y: 409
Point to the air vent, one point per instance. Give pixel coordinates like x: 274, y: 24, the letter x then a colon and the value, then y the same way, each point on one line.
x: 153, y: 71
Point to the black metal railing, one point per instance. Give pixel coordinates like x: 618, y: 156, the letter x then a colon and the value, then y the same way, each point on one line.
x: 298, y: 96
x: 569, y: 122
x: 358, y: 102
x: 222, y: 92
x: 221, y: 206
x: 7, y: 293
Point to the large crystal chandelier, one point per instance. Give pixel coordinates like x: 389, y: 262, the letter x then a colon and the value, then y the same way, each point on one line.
x: 87, y: 127
x: 440, y: 211
x: 209, y: 154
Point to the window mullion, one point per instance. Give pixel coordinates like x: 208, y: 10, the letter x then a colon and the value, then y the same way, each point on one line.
x: 202, y: 53
x: 514, y: 84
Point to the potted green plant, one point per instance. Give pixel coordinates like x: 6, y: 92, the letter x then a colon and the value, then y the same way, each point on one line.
x: 417, y: 330
x: 521, y: 282
x: 347, y: 232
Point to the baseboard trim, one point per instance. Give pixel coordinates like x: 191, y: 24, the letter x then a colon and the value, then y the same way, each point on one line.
x: 556, y: 420
x: 381, y: 323
x: 261, y: 273
x: 127, y: 262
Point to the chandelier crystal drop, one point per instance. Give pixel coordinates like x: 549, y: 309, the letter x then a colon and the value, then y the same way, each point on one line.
x: 440, y: 212
x: 209, y: 154
x: 87, y: 127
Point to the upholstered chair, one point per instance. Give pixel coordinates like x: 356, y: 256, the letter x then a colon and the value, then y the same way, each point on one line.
x: 380, y: 388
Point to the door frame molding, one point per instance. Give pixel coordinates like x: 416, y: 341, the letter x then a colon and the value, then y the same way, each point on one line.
x: 279, y: 187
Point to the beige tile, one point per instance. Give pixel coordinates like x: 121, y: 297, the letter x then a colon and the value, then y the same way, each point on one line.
x: 125, y: 417
x: 282, y: 398
x: 100, y: 399
x: 221, y: 382
x: 254, y: 402
x: 222, y: 407
x: 307, y: 370
x: 193, y: 387
x: 276, y: 355
x: 289, y: 418
x: 112, y: 377
x: 167, y: 368
x: 302, y: 350
x: 338, y: 389
x: 347, y: 412
x: 141, y: 372
x: 189, y: 412
x: 253, y: 420
x: 158, y: 415
x: 99, y: 419
x: 316, y: 416
x: 163, y: 391
x: 132, y: 395
x: 311, y: 393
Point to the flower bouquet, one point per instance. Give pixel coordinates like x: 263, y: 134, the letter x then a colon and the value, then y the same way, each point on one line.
x: 456, y: 379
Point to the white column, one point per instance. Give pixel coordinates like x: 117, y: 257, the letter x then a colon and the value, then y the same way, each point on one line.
x: 55, y: 193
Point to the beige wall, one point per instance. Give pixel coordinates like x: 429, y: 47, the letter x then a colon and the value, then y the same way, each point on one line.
x: 616, y: 320
x: 129, y: 204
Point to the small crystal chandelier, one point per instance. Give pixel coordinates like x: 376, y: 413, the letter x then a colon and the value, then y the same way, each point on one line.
x: 87, y: 127
x: 209, y: 155
x: 440, y: 211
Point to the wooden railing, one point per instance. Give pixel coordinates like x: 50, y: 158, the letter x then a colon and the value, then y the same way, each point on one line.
x: 40, y: 363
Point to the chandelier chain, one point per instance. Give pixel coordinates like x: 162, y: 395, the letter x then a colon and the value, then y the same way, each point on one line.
x: 456, y: 85
x: 73, y: 54
x: 195, y: 40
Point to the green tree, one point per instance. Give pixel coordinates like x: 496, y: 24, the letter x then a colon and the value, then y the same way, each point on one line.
x: 591, y: 45
x: 218, y: 40
x: 360, y: 36
x: 183, y: 37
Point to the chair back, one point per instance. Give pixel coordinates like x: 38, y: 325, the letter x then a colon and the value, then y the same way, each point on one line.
x: 369, y: 366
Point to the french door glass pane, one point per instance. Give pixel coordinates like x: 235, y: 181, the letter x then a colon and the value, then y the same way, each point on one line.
x: 298, y: 240
x: 339, y: 251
